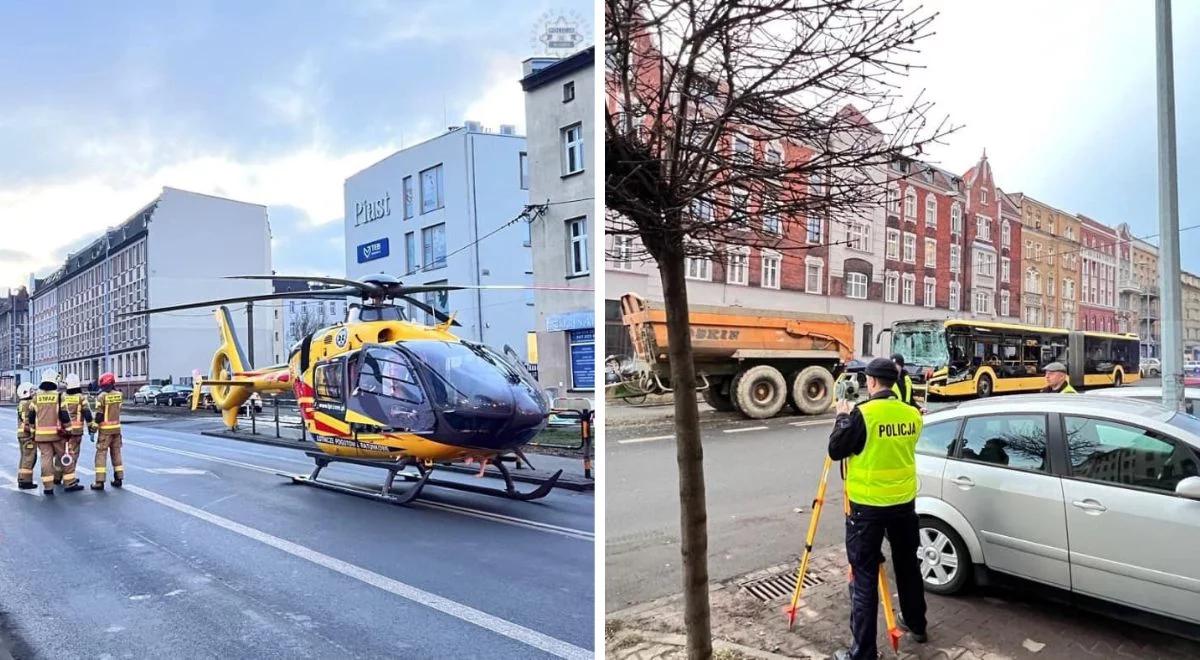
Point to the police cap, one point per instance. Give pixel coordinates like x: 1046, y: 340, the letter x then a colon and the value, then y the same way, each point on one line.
x: 883, y: 369
x: 898, y: 359
x: 1055, y: 366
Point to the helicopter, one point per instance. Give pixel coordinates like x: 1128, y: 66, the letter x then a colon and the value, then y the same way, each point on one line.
x: 384, y: 391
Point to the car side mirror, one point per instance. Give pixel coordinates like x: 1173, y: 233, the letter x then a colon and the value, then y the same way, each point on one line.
x: 1189, y: 488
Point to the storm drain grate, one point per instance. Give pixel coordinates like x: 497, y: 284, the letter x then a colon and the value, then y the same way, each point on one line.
x: 778, y: 587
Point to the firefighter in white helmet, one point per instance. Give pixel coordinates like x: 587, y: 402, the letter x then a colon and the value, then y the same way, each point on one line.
x: 25, y: 437
x: 80, y: 413
x: 49, y: 419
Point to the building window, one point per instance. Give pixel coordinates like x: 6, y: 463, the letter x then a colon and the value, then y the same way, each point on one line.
x: 433, y: 245
x: 623, y: 252
x: 523, y: 163
x: 954, y: 296
x: 1050, y: 286
x: 858, y: 236
x: 572, y: 144
x: 856, y: 285
x: 909, y: 289
x: 956, y: 219
x: 431, y: 189
x: 930, y: 293
x: 771, y: 224
x: 770, y: 270
x: 439, y: 300
x: 738, y: 271
x: 741, y: 150
x: 1004, y: 300
x: 410, y: 253
x: 893, y: 198
x: 814, y: 229
x: 931, y: 253
x: 930, y: 210
x: 739, y: 208
x: 577, y: 248
x: 910, y: 205
x: 893, y: 244
x: 1005, y: 234
x: 569, y: 92
x: 1033, y: 281
x: 983, y: 228
x: 409, y: 200
x: 814, y: 273
x: 891, y: 287
x: 985, y: 264
x: 1005, y: 265
x: 983, y: 302
x: 910, y: 248
x: 699, y: 268
x: 773, y: 156
x: 983, y: 194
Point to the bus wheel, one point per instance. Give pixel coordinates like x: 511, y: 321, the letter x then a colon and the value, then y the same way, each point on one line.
x: 760, y: 392
x: 812, y: 390
x: 716, y: 397
x: 985, y: 386
x: 1117, y: 378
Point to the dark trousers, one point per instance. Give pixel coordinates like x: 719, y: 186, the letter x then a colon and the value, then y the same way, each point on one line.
x: 865, y: 529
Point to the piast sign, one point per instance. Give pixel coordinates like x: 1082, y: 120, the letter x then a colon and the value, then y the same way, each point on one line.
x: 370, y: 211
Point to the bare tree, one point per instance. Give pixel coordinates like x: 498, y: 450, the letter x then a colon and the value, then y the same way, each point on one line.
x: 736, y: 123
x: 306, y: 321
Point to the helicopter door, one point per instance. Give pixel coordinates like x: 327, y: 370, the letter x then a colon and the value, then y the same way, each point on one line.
x: 330, y: 387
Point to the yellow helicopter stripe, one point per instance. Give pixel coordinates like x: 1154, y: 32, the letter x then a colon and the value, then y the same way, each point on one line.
x: 358, y: 418
x: 332, y: 422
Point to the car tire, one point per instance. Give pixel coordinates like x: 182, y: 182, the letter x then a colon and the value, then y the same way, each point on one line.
x: 944, y: 561
x: 714, y: 397
x: 985, y: 387
x: 812, y: 391
x: 761, y: 392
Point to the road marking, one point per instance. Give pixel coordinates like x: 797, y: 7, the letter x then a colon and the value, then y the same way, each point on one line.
x: 631, y: 441
x: 747, y: 428
x: 455, y: 609
x: 569, y: 532
x: 814, y: 422
x: 180, y: 471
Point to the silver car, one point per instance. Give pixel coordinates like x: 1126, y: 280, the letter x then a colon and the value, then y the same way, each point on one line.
x: 1151, y: 393
x: 1097, y: 497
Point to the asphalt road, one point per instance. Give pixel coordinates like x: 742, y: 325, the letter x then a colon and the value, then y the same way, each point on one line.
x: 207, y: 553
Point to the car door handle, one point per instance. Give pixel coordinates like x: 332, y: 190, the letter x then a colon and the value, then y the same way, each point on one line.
x: 964, y: 483
x: 1090, y: 506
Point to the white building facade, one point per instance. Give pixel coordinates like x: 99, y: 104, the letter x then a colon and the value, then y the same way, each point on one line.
x: 559, y: 120
x: 448, y: 211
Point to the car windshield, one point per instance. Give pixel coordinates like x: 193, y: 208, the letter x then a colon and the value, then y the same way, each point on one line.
x: 921, y: 344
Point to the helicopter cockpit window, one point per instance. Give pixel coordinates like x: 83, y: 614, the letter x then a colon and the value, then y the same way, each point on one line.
x: 381, y: 314
x: 327, y: 381
x: 388, y: 373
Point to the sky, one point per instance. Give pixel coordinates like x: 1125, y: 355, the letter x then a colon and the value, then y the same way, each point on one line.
x: 270, y: 102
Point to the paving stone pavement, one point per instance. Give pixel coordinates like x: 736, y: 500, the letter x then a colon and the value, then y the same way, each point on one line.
x: 991, y: 624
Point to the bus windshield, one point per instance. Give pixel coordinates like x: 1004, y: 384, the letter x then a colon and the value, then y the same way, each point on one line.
x: 922, y: 344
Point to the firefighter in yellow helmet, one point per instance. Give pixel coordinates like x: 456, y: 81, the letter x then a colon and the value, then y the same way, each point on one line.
x: 76, y: 405
x: 49, y: 419
x: 25, y: 437
x: 108, y: 419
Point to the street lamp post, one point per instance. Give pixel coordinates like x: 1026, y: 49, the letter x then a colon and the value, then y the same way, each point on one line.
x: 1170, y: 304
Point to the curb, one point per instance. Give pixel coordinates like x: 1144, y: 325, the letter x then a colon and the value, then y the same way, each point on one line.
x: 680, y: 641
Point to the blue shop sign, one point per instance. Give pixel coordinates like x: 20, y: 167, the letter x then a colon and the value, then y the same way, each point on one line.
x: 583, y: 359
x: 373, y: 250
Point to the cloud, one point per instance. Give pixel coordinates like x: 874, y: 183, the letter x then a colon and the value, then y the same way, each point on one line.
x: 503, y: 100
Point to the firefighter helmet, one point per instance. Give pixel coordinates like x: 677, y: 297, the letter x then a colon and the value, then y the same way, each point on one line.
x: 25, y: 390
x: 107, y: 379
x: 72, y: 381
x: 50, y: 376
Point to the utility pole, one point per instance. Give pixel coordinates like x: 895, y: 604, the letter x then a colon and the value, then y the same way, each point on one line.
x: 250, y: 331
x: 1171, y: 305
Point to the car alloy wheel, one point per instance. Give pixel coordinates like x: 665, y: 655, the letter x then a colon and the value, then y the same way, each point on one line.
x: 939, y: 559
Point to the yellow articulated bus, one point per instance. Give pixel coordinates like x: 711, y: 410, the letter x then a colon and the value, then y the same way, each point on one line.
x: 959, y: 357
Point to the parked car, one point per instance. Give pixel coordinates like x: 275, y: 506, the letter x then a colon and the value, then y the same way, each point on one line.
x: 1152, y: 394
x: 1150, y: 367
x: 171, y: 395
x: 1098, y: 501
x: 145, y: 394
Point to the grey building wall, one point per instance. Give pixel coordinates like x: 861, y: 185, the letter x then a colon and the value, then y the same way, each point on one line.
x: 565, y: 320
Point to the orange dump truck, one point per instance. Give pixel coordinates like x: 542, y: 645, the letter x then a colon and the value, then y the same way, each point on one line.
x: 750, y: 360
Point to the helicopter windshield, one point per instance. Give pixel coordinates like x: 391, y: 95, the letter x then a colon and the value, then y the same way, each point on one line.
x: 462, y: 374
x: 390, y: 374
x: 371, y: 313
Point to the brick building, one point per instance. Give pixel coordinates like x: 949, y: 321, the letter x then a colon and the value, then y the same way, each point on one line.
x: 1049, y: 265
x: 1097, y: 276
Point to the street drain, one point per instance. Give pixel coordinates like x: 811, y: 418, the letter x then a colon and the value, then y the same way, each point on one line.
x: 777, y: 587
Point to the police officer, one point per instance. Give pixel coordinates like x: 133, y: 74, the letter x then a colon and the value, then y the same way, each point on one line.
x: 878, y: 440
x: 902, y: 388
x: 49, y: 418
x: 1057, y: 381
x: 25, y: 438
x: 108, y: 419
x: 76, y: 405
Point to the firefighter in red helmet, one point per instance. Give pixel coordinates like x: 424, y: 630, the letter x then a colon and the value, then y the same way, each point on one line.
x: 107, y: 416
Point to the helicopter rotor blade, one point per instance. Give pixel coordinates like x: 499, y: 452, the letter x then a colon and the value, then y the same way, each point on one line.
x: 364, y: 286
x: 436, y: 313
x: 422, y: 288
x: 335, y: 293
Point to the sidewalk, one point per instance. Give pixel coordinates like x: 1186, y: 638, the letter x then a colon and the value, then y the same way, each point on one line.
x: 990, y: 624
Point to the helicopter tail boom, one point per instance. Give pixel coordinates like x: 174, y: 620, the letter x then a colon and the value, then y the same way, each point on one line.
x: 231, y: 379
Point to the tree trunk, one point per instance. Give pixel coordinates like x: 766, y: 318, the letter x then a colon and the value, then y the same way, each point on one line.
x: 689, y: 456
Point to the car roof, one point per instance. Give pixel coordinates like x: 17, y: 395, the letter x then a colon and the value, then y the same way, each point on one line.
x: 1061, y: 403
x: 1139, y: 391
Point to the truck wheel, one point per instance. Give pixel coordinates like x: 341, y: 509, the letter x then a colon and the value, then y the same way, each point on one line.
x: 718, y: 399
x: 812, y: 390
x: 761, y: 392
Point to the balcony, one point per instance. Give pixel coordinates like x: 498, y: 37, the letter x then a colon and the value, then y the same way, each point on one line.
x: 1128, y: 285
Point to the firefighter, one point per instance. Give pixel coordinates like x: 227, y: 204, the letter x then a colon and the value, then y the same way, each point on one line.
x: 1057, y: 381
x: 108, y: 419
x: 25, y: 438
x: 878, y: 440
x: 48, y: 417
x: 76, y: 405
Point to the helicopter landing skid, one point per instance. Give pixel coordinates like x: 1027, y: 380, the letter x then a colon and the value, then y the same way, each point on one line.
x: 389, y: 494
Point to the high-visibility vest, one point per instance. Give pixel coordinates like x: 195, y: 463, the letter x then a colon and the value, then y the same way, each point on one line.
x: 23, y: 430
x: 45, y: 407
x: 1067, y: 389
x: 885, y: 472
x: 906, y: 395
x: 109, y: 405
x: 74, y: 404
